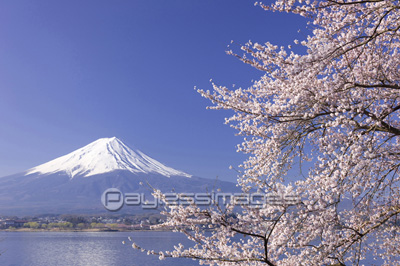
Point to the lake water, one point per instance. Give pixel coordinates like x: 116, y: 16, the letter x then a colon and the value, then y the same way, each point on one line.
x: 92, y: 249
x: 87, y: 248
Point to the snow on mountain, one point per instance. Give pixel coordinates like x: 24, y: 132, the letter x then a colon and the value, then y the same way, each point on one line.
x: 103, y: 156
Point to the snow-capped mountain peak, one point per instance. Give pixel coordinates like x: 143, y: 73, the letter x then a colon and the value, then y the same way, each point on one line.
x: 103, y: 156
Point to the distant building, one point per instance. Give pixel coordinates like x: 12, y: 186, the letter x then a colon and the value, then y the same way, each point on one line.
x: 13, y: 223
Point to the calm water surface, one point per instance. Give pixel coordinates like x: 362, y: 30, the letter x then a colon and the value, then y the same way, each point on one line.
x: 86, y: 248
x: 91, y: 249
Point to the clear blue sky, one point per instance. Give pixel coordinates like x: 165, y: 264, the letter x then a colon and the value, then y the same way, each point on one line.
x: 75, y: 71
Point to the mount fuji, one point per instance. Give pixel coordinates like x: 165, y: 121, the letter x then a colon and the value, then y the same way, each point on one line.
x: 104, y: 156
x: 74, y: 183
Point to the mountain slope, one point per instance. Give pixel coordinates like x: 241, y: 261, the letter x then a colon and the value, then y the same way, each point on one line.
x: 75, y: 182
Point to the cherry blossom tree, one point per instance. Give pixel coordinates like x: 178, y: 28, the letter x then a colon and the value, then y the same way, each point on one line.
x: 334, y: 110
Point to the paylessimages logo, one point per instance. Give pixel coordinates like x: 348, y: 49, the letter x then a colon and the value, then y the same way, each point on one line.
x: 113, y: 199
